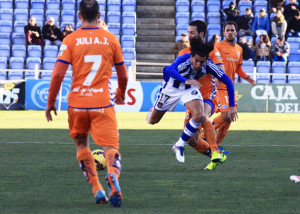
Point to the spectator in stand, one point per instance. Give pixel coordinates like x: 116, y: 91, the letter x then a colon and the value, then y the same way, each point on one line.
x: 279, y: 24
x: 230, y: 14
x: 215, y: 39
x: 261, y: 24
x: 290, y: 9
x: 181, y: 44
x: 102, y: 24
x: 67, y: 30
x: 33, y: 32
x: 245, y: 23
x: 263, y: 49
x: 277, y: 3
x: 51, y: 33
x: 280, y: 50
x: 293, y: 29
x: 248, y: 51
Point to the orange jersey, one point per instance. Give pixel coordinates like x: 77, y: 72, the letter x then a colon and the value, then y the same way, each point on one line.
x: 92, y: 52
x: 208, y: 88
x: 232, y: 56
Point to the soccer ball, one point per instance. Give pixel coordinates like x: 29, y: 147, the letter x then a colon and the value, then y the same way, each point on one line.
x: 100, y: 160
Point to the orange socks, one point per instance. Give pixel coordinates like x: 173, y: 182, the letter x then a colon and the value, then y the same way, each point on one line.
x: 87, y: 164
x: 113, y: 162
x: 222, y: 132
x: 217, y: 122
x: 202, y: 147
x: 210, y: 135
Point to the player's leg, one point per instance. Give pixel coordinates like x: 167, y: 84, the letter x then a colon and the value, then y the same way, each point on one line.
x: 105, y: 133
x: 79, y: 124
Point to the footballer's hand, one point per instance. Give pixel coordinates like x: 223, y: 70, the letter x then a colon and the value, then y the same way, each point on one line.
x: 119, y: 97
x: 232, y: 114
x: 194, y: 83
x: 48, y: 112
x: 250, y: 80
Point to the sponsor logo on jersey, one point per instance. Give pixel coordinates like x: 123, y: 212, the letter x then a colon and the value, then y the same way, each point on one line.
x: 238, y: 53
x: 194, y: 92
x: 224, y: 106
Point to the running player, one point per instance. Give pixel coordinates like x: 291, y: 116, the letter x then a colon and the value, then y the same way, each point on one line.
x: 232, y: 56
x: 180, y: 84
x: 208, y: 90
x: 92, y: 51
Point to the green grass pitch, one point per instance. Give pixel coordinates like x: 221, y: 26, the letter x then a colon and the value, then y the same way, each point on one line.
x: 40, y: 174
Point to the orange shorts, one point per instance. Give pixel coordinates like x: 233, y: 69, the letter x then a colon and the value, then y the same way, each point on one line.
x: 214, y: 103
x: 224, y: 101
x: 102, y: 124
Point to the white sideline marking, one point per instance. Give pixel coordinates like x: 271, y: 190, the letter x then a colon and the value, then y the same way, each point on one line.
x: 149, y: 144
x: 27, y: 115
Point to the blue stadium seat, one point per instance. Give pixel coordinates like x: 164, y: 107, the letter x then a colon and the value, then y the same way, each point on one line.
x: 263, y: 70
x: 293, y: 68
x: 182, y: 6
x: 16, y: 62
x: 248, y: 67
x: 5, y: 38
x: 48, y: 63
x: 18, y: 51
x: 213, y: 29
x: 181, y: 28
x: 6, y: 14
x: 114, y: 5
x: 114, y: 28
x: 19, y: 26
x: 3, y: 63
x: 294, y: 55
x: 53, y: 4
x: 294, y: 43
x: 129, y: 17
x: 34, y: 51
x: 55, y: 14
x: 213, y: 18
x: 198, y: 16
x: 4, y: 50
x: 113, y: 17
x: 6, y: 26
x: 15, y: 75
x: 129, y: 53
x: 182, y: 18
x: 102, y: 16
x: 38, y: 14
x: 128, y: 29
x: 262, y: 78
x: 21, y: 15
x: 18, y: 39
x: 129, y: 5
x: 33, y: 63
x: 37, y: 4
x: 102, y: 5
x: 293, y: 79
x: 258, y: 5
x: 278, y: 68
x: 213, y: 6
x: 21, y: 4
x: 67, y: 15
x: 78, y: 25
x: 6, y: 4
x: 198, y: 6
x: 128, y: 41
x: 68, y: 4
x: 226, y: 3
x: 50, y: 51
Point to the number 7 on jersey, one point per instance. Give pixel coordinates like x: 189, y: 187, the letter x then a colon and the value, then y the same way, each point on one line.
x: 96, y: 59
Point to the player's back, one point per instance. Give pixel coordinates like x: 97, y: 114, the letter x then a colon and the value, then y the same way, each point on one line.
x: 91, y: 52
x: 232, y: 56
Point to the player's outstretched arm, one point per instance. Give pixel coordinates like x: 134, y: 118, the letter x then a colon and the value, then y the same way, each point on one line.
x: 122, y: 83
x: 194, y: 83
x: 58, y: 74
x: 243, y: 75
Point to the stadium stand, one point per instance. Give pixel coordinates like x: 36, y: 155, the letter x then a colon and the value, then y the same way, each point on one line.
x: 19, y: 51
x: 53, y: 4
x: 4, y: 50
x: 183, y: 6
x: 68, y: 4
x: 6, y: 26
x: 16, y: 62
x: 248, y: 67
x: 18, y: 39
x: 19, y: 26
x: 53, y: 13
x: 37, y: 4
x: 278, y: 68
x: 6, y: 14
x: 129, y: 5
x: 263, y: 70
x: 21, y: 14
x: 50, y: 51
x: 34, y: 51
x: 213, y: 6
x: 198, y: 6
x: 21, y: 4
x: 114, y: 5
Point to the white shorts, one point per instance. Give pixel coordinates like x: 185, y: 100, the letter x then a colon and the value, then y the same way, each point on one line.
x: 168, y: 98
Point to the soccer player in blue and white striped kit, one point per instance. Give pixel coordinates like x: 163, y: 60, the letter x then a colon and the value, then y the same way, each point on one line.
x: 180, y: 84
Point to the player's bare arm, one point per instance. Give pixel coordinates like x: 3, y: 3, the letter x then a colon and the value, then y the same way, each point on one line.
x: 192, y: 82
x: 122, y: 83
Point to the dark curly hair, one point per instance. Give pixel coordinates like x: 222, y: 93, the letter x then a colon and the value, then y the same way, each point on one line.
x: 200, y: 48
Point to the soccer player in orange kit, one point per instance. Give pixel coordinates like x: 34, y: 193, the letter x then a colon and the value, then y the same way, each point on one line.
x: 232, y: 56
x: 92, y: 51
